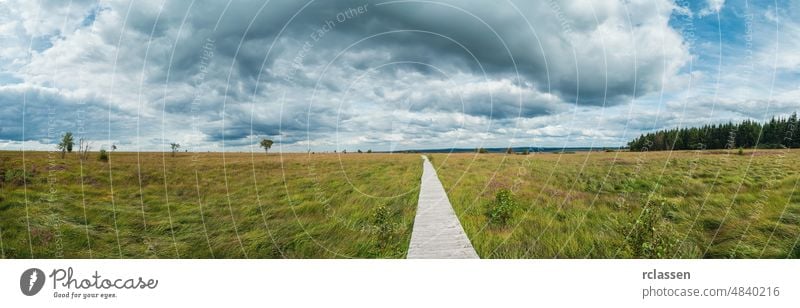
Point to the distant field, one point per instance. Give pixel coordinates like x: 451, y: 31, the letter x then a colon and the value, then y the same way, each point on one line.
x: 710, y: 204
x: 152, y: 205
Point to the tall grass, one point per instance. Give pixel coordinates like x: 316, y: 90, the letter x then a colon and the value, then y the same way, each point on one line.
x: 268, y: 206
x: 712, y: 204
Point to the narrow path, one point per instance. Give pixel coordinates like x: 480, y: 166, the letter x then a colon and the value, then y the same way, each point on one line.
x: 437, y: 234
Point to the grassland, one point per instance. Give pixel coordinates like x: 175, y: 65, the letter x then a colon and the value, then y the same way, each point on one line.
x: 152, y: 205
x: 689, y: 204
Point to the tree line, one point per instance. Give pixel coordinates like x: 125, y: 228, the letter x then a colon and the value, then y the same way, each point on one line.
x: 776, y: 133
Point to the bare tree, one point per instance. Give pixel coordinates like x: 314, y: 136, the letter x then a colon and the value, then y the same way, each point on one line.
x: 83, y: 149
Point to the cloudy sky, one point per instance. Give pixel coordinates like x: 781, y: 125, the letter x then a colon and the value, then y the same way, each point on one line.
x: 383, y: 75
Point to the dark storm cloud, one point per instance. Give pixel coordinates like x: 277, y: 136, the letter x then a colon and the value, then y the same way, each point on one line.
x: 44, y: 114
x: 498, y: 104
x: 290, y: 67
x: 475, y: 35
x: 246, y: 120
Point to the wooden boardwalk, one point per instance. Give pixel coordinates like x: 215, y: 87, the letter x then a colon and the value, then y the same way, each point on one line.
x: 437, y: 233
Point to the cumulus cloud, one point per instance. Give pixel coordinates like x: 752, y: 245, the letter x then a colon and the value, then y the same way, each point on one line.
x: 712, y: 7
x: 330, y: 73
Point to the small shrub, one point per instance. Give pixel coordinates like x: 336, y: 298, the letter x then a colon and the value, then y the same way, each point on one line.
x: 17, y: 177
x: 651, y: 236
x: 482, y: 151
x: 502, y: 209
x: 103, y: 156
x: 381, y: 218
x: 741, y: 151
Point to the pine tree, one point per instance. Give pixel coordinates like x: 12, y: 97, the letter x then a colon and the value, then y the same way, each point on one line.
x: 778, y: 132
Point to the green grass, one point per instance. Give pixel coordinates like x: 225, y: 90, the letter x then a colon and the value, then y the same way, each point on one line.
x: 711, y: 204
x: 268, y: 206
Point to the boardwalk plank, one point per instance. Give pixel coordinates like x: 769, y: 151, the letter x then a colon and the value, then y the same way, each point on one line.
x: 437, y: 233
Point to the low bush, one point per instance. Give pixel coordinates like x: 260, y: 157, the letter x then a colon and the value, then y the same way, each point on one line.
x: 381, y: 218
x: 103, y: 156
x: 16, y: 177
x: 651, y: 235
x: 501, y: 210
